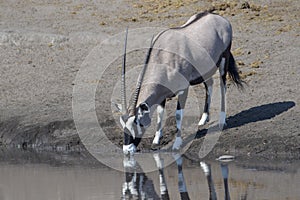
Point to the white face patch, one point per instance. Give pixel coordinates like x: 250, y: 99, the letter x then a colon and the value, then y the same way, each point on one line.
x: 122, y: 122
x: 128, y: 125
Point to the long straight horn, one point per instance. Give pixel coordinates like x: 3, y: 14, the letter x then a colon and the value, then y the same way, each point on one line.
x: 132, y: 110
x: 123, y: 87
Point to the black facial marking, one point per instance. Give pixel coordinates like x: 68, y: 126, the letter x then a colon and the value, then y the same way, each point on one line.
x: 144, y: 107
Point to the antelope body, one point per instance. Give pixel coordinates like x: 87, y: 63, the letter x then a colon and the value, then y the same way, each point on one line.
x: 180, y: 57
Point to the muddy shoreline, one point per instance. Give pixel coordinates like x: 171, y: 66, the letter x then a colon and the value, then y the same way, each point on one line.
x: 43, y: 46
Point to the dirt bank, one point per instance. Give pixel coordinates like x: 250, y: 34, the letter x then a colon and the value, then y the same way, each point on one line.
x: 43, y: 45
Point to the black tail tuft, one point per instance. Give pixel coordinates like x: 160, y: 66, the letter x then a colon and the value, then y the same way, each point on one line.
x: 234, y: 74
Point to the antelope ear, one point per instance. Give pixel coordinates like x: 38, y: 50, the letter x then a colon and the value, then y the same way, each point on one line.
x: 118, y: 106
x: 144, y: 108
x: 143, y: 115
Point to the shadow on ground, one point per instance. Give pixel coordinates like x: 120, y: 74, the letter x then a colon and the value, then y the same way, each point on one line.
x: 254, y: 114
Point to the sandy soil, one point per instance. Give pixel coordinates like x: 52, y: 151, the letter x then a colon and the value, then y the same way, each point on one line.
x: 43, y: 45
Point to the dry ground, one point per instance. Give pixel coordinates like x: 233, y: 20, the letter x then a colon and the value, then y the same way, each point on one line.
x: 43, y: 45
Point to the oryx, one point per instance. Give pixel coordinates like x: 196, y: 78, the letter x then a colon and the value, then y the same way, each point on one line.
x: 177, y: 58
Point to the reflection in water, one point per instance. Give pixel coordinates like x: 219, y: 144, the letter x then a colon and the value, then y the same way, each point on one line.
x: 207, y: 171
x: 25, y: 178
x: 138, y: 186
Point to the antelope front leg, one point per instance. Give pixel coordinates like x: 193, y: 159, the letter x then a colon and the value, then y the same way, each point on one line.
x: 159, y: 133
x: 209, y: 89
x: 179, y: 116
x: 178, y: 140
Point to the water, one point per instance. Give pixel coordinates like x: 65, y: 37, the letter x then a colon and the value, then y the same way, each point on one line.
x: 60, y: 178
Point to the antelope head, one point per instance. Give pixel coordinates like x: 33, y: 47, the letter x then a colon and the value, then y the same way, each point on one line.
x: 134, y: 118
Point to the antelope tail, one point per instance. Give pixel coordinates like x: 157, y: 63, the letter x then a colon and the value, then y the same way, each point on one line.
x: 233, y: 72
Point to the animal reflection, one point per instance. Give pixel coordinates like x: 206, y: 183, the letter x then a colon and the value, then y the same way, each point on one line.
x: 207, y: 171
x: 138, y: 186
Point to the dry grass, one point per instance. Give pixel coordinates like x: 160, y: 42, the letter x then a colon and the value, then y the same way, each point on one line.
x: 152, y: 10
x: 156, y: 6
x: 256, y: 64
x: 244, y: 75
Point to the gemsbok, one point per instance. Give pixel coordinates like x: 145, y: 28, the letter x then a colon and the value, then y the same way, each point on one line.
x: 178, y: 58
